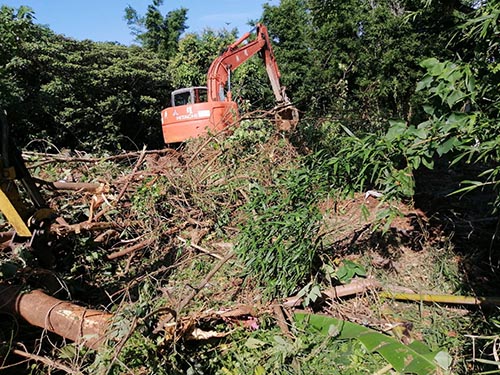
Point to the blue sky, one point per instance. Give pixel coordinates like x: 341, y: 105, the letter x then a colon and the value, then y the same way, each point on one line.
x: 102, y: 20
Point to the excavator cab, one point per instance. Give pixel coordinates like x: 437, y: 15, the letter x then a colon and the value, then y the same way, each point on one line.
x: 191, y: 115
x: 190, y: 95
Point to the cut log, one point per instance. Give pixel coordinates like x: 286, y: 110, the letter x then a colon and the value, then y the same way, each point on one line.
x: 76, y: 186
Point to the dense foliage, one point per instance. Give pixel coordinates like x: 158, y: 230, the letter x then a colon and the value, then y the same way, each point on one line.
x: 362, y: 58
x: 156, y: 32
x: 356, y: 62
x: 77, y: 94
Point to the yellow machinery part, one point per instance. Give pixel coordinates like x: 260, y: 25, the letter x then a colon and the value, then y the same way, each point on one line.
x: 13, y: 216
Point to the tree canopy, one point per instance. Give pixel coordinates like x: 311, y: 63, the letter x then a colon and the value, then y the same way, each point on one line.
x: 78, y: 94
x: 358, y: 62
x: 155, y: 31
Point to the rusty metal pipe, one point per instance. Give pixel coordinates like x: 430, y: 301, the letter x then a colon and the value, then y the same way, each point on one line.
x: 79, y: 324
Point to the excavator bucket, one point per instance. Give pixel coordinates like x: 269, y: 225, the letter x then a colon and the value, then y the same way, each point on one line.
x: 286, y: 117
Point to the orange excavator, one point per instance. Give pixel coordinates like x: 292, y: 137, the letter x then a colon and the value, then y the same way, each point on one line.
x: 195, y: 111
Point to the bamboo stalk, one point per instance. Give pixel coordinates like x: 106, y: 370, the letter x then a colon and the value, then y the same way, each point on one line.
x: 441, y: 298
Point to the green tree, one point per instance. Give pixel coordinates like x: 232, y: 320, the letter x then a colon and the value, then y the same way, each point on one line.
x: 15, y: 27
x: 290, y: 29
x: 358, y: 60
x: 78, y: 94
x: 189, y: 66
x: 155, y: 31
x: 461, y: 106
x: 463, y: 103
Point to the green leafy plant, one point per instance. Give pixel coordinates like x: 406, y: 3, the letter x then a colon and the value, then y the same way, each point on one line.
x: 310, y: 293
x: 277, y: 244
x: 249, y: 133
x: 349, y: 269
x: 414, y: 358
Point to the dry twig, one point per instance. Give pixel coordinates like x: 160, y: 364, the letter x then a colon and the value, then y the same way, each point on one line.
x: 204, y: 282
x: 46, y: 361
x: 199, y: 248
x: 130, y: 249
x: 136, y: 167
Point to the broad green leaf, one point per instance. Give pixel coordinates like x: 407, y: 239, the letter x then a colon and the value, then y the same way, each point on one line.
x: 429, y: 163
x: 253, y: 343
x: 403, y: 358
x: 420, y: 132
x: 314, y: 294
x: 419, y: 347
x: 429, y: 109
x: 458, y: 119
x: 397, y: 129
x: 470, y: 83
x: 416, y: 162
x: 429, y: 63
x: 445, y: 147
x: 67, y: 352
x: 443, y: 359
x: 424, y: 83
x: 455, y: 97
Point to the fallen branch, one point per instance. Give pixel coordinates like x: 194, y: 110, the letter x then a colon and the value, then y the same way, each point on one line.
x: 129, y: 249
x: 63, y: 229
x: 136, y: 167
x: 395, y: 292
x: 125, y: 186
x: 46, y: 361
x: 199, y: 248
x: 355, y: 287
x: 281, y: 321
x: 70, y: 159
x: 88, y: 187
x: 202, y: 284
x: 121, y: 344
x: 207, y: 165
x: 5, y: 238
x: 441, y: 298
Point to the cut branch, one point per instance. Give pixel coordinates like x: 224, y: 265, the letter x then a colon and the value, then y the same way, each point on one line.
x: 442, y: 298
x: 130, y: 249
x: 202, y: 284
x: 199, y: 248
